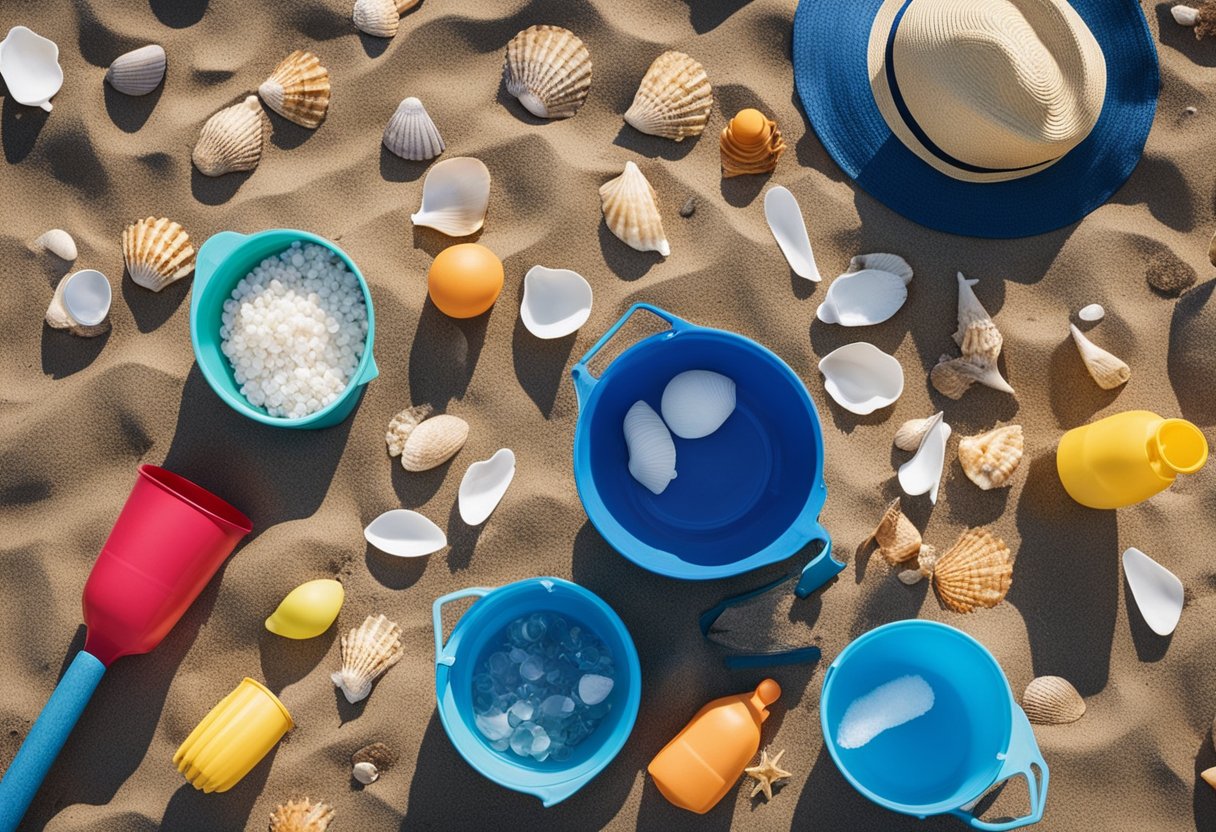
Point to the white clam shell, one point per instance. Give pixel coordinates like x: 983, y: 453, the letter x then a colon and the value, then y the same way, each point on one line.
x: 483, y: 486
x: 1157, y: 591
x: 1092, y: 312
x: 861, y: 378
x: 696, y: 402
x: 405, y: 534
x: 139, y: 71
x: 59, y: 243
x: 556, y: 302
x: 652, y: 453
x: 1185, y: 15
x: 863, y: 298
x: 785, y: 220
x: 923, y: 472
x: 411, y: 134
x: 455, y: 196
x: 30, y: 66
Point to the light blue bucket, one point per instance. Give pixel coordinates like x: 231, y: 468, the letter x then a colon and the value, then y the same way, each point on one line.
x: 458, y: 659
x: 973, y: 737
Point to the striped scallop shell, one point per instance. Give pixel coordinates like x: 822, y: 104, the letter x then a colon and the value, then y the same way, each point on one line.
x: 1052, y: 700
x: 367, y: 652
x: 975, y: 572
x: 990, y: 458
x: 411, y: 134
x: 548, y: 69
x: 157, y: 252
x: 380, y: 18
x: 231, y: 140
x: 631, y: 211
x: 298, y: 89
x: 301, y: 816
x: 139, y: 71
x: 674, y: 98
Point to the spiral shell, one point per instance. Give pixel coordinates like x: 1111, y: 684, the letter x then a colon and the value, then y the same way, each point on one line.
x: 231, y: 140
x: 674, y: 98
x: 549, y: 70
x: 298, y: 89
x: 157, y: 252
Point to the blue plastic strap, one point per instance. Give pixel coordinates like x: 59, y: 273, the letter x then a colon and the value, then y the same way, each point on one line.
x: 46, y: 738
x: 749, y: 661
x: 584, y: 382
x: 822, y: 568
x: 1022, y: 758
x: 437, y: 615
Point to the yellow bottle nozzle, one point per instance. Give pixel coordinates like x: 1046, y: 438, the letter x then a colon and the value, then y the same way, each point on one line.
x: 767, y: 692
x: 1181, y: 446
x: 748, y: 127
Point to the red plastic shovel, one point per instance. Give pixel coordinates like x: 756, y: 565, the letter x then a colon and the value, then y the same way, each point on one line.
x: 169, y: 540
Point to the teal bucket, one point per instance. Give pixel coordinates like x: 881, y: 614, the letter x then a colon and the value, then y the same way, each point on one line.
x: 222, y: 261
x: 973, y: 737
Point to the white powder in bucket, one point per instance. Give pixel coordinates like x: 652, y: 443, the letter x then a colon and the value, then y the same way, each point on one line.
x: 887, y: 706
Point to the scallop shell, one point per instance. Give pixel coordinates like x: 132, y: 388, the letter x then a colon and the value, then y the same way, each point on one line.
x: 631, y: 211
x: 81, y: 304
x: 380, y: 18
x: 697, y: 402
x: 975, y: 572
x: 674, y: 98
x: 483, y: 485
x: 898, y: 540
x: 990, y: 459
x: 861, y: 378
x: 863, y: 298
x: 882, y: 261
x: 139, y: 71
x: 59, y: 243
x: 742, y: 154
x: 405, y: 534
x: 455, y: 196
x: 403, y: 424
x: 652, y: 454
x: 411, y: 134
x: 298, y: 89
x: 1052, y: 700
x: 434, y: 442
x: 923, y: 472
x: 231, y: 140
x: 301, y: 816
x: 980, y: 342
x: 157, y: 252
x: 549, y: 70
x: 911, y: 433
x: 1109, y: 371
x: 367, y: 652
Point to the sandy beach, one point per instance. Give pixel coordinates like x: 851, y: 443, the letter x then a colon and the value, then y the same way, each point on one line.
x: 77, y: 416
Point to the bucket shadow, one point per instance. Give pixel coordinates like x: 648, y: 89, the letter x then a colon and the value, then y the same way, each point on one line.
x: 151, y: 309
x: 1190, y: 359
x: 444, y: 355
x: 540, y: 364
x: 64, y: 354
x: 130, y: 112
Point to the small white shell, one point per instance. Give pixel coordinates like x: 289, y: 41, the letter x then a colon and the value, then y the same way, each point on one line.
x: 59, y: 243
x: 697, y: 402
x: 139, y: 71
x: 483, y: 486
x: 882, y: 261
x: 631, y: 211
x: 1157, y: 591
x: 1185, y: 15
x: 366, y: 772
x: 81, y: 303
x: 1093, y: 312
x: 30, y: 66
x: 861, y: 378
x: 1107, y: 370
x: 923, y: 472
x: 405, y: 534
x: 652, y: 454
x: 863, y: 298
x: 411, y: 134
x: 785, y: 221
x: 556, y: 302
x: 455, y: 196
x: 380, y: 18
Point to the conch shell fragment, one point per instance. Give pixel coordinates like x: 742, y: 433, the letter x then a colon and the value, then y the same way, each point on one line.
x: 1107, y: 370
x: 990, y: 459
x: 898, y: 540
x: 980, y: 342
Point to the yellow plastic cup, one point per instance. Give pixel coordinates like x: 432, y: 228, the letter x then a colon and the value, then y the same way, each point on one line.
x: 233, y: 738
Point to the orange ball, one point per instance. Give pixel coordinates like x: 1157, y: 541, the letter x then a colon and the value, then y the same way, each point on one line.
x: 465, y: 280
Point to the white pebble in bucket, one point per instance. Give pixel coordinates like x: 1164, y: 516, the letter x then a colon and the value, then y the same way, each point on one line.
x: 887, y: 706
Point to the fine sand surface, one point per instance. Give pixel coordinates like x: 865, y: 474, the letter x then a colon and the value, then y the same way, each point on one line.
x: 78, y: 416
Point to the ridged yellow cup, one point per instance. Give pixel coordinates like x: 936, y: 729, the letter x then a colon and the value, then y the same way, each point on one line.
x: 233, y: 738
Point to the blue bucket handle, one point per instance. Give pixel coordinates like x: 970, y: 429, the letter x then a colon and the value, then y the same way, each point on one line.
x: 822, y: 568
x: 1023, y: 757
x: 441, y: 655
x: 210, y: 254
x: 584, y: 382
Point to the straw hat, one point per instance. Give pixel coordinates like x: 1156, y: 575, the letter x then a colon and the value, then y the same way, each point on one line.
x: 994, y: 118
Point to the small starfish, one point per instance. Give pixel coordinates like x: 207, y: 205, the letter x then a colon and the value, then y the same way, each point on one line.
x: 767, y: 773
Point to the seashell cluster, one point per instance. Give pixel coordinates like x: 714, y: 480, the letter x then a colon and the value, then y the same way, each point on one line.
x: 301, y: 816
x: 1052, y: 700
x: 411, y: 134
x: 367, y: 652
x: 631, y: 211
x: 898, y: 540
x: 696, y: 403
x: 980, y: 342
x: 867, y: 294
x: 673, y: 100
x: 58, y: 242
x: 990, y: 459
x: 549, y: 70
x: 231, y: 140
x: 750, y: 144
x: 1107, y: 370
x: 455, y: 197
x: 652, y: 453
x: 157, y: 252
x: 404, y: 534
x: 861, y: 378
x: 784, y: 219
x: 380, y: 18
x: 298, y: 89
x: 402, y: 425
x: 81, y: 304
x: 975, y: 572
x: 923, y: 472
x: 139, y: 71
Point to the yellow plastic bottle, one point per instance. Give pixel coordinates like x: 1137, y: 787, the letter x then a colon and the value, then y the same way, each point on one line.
x: 1128, y: 457
x: 697, y: 768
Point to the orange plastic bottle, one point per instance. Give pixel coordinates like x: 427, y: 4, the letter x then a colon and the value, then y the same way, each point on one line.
x: 697, y: 768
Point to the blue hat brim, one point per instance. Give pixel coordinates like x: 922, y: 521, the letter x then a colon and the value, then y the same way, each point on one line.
x: 831, y: 74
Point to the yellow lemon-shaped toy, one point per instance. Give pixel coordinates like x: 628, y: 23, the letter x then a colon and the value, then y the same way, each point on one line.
x: 308, y: 610
x: 465, y: 280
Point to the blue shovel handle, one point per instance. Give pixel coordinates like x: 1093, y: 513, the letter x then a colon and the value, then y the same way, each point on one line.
x: 46, y: 738
x: 584, y: 382
x: 1022, y: 758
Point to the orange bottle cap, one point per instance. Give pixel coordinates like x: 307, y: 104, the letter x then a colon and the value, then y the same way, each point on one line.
x: 749, y: 127
x: 767, y: 692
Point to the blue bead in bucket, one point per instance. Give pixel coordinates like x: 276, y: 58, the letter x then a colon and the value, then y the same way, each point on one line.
x: 972, y: 737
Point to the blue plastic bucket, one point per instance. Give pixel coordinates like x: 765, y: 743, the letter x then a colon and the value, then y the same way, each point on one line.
x: 744, y: 497
x: 457, y: 660
x: 973, y: 737
x: 222, y: 261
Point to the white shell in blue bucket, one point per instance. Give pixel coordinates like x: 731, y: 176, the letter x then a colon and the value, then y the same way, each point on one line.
x: 652, y: 454
x: 696, y: 403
